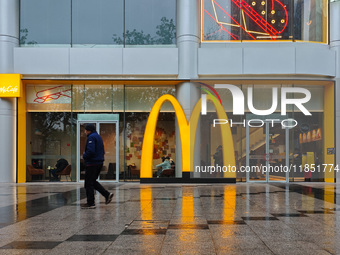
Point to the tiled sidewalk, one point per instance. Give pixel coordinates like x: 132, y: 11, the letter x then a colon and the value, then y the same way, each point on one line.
x: 171, y: 219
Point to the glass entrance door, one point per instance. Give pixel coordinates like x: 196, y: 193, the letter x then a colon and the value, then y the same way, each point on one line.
x: 109, y: 132
x: 110, y: 138
x: 267, y: 142
x: 277, y: 146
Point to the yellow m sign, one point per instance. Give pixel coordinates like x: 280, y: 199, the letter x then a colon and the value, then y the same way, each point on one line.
x: 187, y: 132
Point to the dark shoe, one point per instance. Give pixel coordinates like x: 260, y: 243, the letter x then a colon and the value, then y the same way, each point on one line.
x: 87, y: 206
x: 109, y: 198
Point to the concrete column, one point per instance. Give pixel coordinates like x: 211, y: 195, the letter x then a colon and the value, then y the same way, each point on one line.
x: 187, y: 35
x: 9, y: 38
x: 335, y: 45
x: 188, y: 27
x: 8, y: 140
x: 9, y: 33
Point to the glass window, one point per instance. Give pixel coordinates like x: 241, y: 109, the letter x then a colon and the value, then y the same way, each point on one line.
x: 49, y: 139
x: 310, y: 20
x: 263, y: 97
x: 220, y: 25
x: 138, y: 104
x: 45, y: 98
x: 45, y: 22
x: 149, y: 22
x: 316, y: 103
x: 95, y: 23
x: 265, y: 20
x: 246, y: 20
x: 266, y: 133
x: 97, y: 98
x: 306, y: 141
x: 141, y: 99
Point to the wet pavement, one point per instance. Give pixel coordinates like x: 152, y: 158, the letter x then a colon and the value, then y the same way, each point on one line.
x: 296, y: 218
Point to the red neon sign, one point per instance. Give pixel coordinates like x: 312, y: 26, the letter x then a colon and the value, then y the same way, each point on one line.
x: 54, y: 93
x: 259, y: 19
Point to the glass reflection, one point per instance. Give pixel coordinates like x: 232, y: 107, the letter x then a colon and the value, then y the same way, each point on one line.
x: 246, y: 20
x: 95, y: 22
x: 310, y: 20
x: 48, y: 98
x: 45, y: 22
x: 108, y: 134
x: 149, y: 22
x: 138, y: 104
x: 235, y: 20
x: 49, y: 139
x: 97, y: 98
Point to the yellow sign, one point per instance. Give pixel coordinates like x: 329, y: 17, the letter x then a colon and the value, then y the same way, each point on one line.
x: 187, y: 132
x: 10, y: 85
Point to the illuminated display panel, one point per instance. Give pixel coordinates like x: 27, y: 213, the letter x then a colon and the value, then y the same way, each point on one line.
x: 249, y: 20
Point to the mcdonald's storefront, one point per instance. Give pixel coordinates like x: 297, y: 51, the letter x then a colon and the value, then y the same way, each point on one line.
x: 141, y: 122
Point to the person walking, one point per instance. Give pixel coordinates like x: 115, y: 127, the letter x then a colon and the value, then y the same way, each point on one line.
x: 94, y: 158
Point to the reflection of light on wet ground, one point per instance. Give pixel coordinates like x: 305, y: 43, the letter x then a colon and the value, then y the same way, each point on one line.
x: 188, y: 215
x: 174, y: 219
x: 229, y: 200
x: 329, y: 194
x: 146, y: 203
x: 188, y: 209
x: 148, y: 224
x: 22, y: 208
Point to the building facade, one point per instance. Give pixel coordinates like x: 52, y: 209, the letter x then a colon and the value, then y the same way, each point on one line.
x: 257, y: 79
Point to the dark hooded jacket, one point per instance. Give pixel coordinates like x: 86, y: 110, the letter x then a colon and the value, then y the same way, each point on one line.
x: 61, y: 164
x: 94, y: 149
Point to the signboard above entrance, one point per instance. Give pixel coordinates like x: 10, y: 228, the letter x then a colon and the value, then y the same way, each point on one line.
x: 10, y: 85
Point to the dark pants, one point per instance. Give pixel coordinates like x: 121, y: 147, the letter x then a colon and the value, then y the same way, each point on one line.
x: 54, y: 171
x: 91, y: 184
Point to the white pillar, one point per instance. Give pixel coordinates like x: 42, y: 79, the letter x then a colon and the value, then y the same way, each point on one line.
x: 8, y: 140
x: 188, y: 27
x: 335, y: 45
x: 9, y: 38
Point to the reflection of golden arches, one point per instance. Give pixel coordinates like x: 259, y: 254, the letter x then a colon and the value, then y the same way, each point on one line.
x: 145, y: 201
x: 186, y: 130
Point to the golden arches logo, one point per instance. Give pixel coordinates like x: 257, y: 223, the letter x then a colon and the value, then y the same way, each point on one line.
x: 187, y: 132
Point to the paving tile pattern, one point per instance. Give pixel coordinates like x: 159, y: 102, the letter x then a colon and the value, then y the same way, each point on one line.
x: 241, y: 218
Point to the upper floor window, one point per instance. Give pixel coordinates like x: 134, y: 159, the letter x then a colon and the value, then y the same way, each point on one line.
x: 45, y: 22
x: 93, y: 23
x: 249, y: 20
